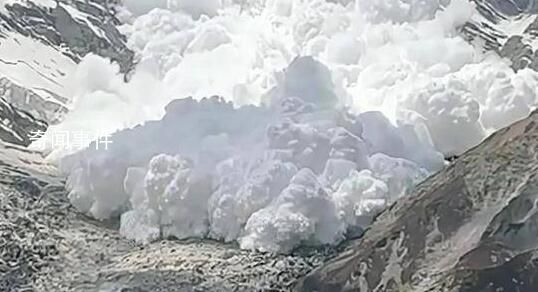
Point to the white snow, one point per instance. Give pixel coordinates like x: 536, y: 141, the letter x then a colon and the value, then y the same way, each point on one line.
x: 302, y: 213
x: 306, y: 149
x: 36, y: 66
x: 171, y: 201
x: 360, y: 196
x: 42, y: 3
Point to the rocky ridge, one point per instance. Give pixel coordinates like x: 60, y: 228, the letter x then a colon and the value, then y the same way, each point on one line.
x: 509, y: 28
x: 40, y: 44
x: 470, y: 227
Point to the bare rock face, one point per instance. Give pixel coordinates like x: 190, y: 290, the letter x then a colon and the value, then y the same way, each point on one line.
x: 17, y: 126
x: 471, y: 228
x: 25, y: 113
x: 517, y: 45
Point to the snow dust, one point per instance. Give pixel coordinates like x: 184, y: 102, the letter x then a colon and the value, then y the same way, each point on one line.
x: 329, y: 111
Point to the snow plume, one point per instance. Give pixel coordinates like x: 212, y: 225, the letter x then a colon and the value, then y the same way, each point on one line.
x: 269, y: 177
x: 297, y: 150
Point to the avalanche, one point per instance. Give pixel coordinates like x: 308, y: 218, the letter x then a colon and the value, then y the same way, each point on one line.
x: 329, y: 111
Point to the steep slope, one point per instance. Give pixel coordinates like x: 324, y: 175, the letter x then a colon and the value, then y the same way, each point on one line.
x: 509, y: 28
x: 40, y: 44
x: 471, y: 227
x: 72, y: 27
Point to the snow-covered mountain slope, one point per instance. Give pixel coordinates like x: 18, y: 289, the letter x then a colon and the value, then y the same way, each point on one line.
x: 509, y: 28
x: 74, y: 28
x: 40, y: 45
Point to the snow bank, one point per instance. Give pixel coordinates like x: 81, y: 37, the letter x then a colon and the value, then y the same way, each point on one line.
x: 299, y: 150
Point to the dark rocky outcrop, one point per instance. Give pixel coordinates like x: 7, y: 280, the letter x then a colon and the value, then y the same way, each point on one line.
x: 81, y: 26
x: 470, y: 228
x: 49, y: 109
x: 484, y: 31
x: 17, y: 126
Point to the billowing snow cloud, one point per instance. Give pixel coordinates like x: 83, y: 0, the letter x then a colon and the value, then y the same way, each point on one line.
x: 270, y: 177
x: 329, y: 111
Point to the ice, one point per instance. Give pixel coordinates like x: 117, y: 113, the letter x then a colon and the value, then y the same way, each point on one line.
x: 280, y: 123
